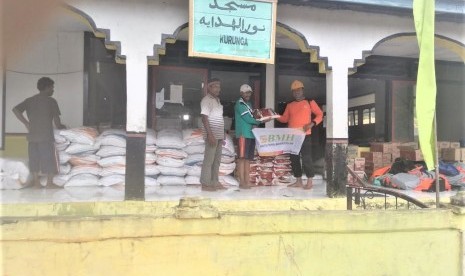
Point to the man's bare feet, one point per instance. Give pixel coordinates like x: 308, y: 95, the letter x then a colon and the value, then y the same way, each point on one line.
x: 208, y: 188
x: 218, y: 186
x: 309, y: 184
x: 297, y: 184
x: 36, y: 185
x: 244, y: 186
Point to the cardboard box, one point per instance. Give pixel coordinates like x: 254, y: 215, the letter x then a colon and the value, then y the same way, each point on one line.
x: 352, y: 151
x: 351, y: 163
x: 413, y: 155
x: 370, y: 166
x: 373, y: 156
x: 413, y: 145
x: 451, y: 154
x: 381, y: 147
x: 405, y: 148
x: 443, y: 144
x: 351, y: 179
x: 387, y: 158
x: 359, y: 164
x: 386, y: 164
x: 455, y: 145
x: 462, y: 154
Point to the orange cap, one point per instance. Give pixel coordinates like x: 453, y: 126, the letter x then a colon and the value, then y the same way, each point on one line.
x: 296, y: 85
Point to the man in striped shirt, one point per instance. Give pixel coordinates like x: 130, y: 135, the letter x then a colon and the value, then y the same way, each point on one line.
x: 213, y: 133
x: 298, y: 114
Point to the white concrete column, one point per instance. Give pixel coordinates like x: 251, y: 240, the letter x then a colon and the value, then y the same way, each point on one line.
x: 2, y: 78
x: 270, y: 90
x: 136, y: 85
x: 337, y: 102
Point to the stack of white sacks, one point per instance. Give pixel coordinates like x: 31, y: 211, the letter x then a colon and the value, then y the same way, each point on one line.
x: 78, y: 161
x: 89, y: 159
x: 195, y: 148
x: 173, y: 157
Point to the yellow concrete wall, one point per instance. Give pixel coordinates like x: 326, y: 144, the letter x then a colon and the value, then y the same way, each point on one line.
x: 15, y: 146
x: 146, y: 238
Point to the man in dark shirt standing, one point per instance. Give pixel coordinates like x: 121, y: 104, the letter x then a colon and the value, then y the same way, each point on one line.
x: 41, y: 110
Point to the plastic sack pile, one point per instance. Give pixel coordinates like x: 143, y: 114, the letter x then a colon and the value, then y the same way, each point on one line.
x: 14, y: 174
x: 269, y: 171
x: 173, y: 157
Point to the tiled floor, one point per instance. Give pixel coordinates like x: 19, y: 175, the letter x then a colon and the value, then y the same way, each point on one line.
x: 160, y: 193
x: 166, y: 193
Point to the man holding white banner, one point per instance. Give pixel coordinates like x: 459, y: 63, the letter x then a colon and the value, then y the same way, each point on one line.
x: 298, y: 115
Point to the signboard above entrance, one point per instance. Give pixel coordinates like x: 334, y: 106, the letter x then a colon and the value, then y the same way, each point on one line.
x: 239, y: 30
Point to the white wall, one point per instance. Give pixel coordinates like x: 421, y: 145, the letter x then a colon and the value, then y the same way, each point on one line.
x: 138, y: 26
x: 55, y: 54
x: 362, y: 100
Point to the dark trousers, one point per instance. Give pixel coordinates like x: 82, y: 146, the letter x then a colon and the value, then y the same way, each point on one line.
x: 307, y: 162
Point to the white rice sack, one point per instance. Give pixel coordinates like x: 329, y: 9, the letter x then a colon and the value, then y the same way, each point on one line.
x: 182, y: 171
x: 106, y: 171
x: 112, y: 161
x: 192, y: 180
x: 150, y: 148
x: 81, y: 180
x: 59, y: 139
x: 167, y: 180
x: 173, y: 153
x: 76, y: 148
x: 63, y: 157
x: 85, y: 159
x: 228, y: 180
x: 150, y: 182
x: 170, y: 138
x: 227, y: 159
x: 226, y: 169
x: 151, y: 170
x: 80, y: 135
x: 194, y: 159
x: 60, y: 179
x: 115, y: 179
x: 194, y: 170
x: 107, y: 151
x: 64, y: 169
x: 14, y: 174
x: 118, y: 132
x: 193, y: 137
x: 151, y: 137
x: 193, y: 149
x: 85, y: 169
x: 62, y: 146
x: 150, y: 158
x: 170, y: 162
x: 228, y: 146
x: 113, y: 140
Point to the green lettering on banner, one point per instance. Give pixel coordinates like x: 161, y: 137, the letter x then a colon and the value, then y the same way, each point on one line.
x: 236, y: 30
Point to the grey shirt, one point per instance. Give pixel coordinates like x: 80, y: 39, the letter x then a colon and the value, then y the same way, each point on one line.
x: 40, y: 110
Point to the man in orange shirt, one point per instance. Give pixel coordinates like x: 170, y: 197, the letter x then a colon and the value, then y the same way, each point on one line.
x: 298, y: 114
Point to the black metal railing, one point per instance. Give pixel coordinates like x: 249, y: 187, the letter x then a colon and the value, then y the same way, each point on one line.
x: 362, y: 190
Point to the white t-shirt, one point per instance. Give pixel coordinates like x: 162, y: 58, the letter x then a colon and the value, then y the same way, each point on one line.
x: 211, y: 107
